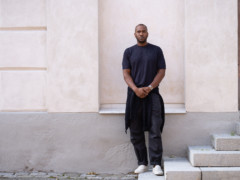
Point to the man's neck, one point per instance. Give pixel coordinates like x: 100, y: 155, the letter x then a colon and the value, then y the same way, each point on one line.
x: 142, y: 44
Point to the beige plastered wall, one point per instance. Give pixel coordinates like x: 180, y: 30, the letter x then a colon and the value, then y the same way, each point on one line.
x: 23, y: 63
x: 65, y: 56
x: 50, y: 52
x: 117, y: 21
x: 211, y: 56
x: 72, y: 55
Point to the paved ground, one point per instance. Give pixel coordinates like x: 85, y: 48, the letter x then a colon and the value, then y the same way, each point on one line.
x: 65, y: 176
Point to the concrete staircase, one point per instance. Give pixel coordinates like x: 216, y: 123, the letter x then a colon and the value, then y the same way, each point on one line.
x: 221, y: 161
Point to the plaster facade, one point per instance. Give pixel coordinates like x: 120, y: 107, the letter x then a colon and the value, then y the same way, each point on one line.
x: 80, y: 46
x: 28, y: 46
x: 61, y: 56
x: 86, y: 142
x: 23, y: 55
x: 24, y: 13
x: 64, y: 39
x: 23, y: 90
x: 211, y: 56
x: 72, y: 56
x: 165, y: 23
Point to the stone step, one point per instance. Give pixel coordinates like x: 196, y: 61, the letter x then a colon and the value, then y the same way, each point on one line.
x: 180, y: 169
x: 237, y: 130
x: 226, y: 142
x: 206, y: 156
x: 149, y: 176
x: 220, y: 173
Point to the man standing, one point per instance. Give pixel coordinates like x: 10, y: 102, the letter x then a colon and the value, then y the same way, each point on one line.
x: 143, y: 69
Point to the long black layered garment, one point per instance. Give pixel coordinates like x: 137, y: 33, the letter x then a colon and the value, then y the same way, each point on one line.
x: 134, y: 103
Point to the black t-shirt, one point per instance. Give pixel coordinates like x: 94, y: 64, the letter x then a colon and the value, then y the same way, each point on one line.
x: 144, y: 63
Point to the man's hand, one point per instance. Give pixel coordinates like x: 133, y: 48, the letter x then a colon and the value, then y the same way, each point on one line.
x: 142, y: 92
x: 147, y: 89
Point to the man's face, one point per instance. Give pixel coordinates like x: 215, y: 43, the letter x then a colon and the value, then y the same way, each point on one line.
x: 141, y: 34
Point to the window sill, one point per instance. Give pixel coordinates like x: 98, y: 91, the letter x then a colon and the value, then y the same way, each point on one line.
x: 120, y: 109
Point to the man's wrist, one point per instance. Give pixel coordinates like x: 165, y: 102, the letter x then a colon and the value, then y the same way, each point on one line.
x: 150, y: 86
x: 134, y: 89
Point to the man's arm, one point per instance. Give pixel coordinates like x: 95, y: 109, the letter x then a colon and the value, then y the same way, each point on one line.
x: 157, y: 79
x: 140, y: 92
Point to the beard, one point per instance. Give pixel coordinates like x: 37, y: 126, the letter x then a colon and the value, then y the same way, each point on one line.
x: 142, y: 41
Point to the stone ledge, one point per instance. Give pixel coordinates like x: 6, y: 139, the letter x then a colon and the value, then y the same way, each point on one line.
x: 149, y: 176
x: 216, y: 173
x: 180, y: 169
x: 226, y: 142
x: 206, y: 156
x: 120, y: 109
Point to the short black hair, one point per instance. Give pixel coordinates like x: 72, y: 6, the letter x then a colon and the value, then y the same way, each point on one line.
x: 141, y: 25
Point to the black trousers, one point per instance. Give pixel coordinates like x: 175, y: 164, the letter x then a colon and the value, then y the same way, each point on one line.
x: 155, y: 140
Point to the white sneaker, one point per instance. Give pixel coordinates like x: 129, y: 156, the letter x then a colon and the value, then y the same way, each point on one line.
x: 157, y: 170
x: 141, y: 169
